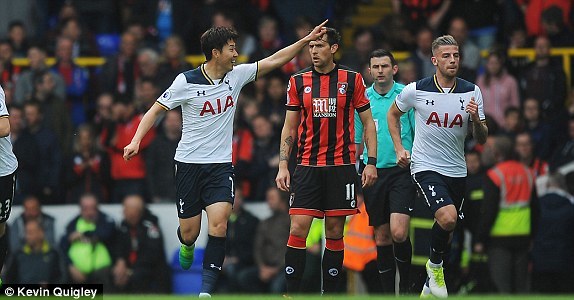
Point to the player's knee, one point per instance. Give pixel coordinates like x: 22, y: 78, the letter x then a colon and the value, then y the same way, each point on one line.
x: 218, y: 228
x: 334, y: 230
x: 400, y: 234
x: 298, y: 230
x: 188, y: 236
x: 382, y: 236
x: 446, y: 217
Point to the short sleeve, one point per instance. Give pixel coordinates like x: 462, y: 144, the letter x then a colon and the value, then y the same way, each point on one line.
x: 406, y: 99
x: 360, y: 100
x: 246, y: 73
x: 176, y: 94
x: 479, y: 102
x: 3, y: 108
x: 293, y: 101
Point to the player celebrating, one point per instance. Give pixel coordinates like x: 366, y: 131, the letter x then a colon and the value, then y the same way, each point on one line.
x: 391, y: 198
x: 204, y: 174
x: 444, y: 105
x: 8, y: 166
x: 321, y: 101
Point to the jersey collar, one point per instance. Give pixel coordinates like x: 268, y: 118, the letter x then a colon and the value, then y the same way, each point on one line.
x: 388, y: 94
x: 440, y: 88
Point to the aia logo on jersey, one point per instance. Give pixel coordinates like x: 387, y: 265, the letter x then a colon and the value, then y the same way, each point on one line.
x: 217, y: 107
x: 342, y: 87
x: 324, y: 107
x: 434, y: 118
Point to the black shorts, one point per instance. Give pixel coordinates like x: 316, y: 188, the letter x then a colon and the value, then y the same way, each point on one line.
x: 7, y: 187
x: 324, y: 191
x: 200, y: 185
x: 393, y: 192
x: 439, y: 190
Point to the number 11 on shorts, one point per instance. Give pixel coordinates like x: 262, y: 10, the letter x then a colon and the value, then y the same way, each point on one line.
x: 350, y: 191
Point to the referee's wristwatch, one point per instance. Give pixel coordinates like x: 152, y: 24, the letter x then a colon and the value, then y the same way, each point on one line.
x: 372, y: 161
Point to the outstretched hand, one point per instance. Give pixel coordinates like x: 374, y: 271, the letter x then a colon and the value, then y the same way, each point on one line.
x: 317, y: 32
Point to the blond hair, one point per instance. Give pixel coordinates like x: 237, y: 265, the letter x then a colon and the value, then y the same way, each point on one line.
x: 445, y: 40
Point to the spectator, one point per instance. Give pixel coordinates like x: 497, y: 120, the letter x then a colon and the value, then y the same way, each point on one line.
x: 539, y: 130
x: 423, y: 13
x: 553, y: 247
x: 76, y: 79
x: 524, y: 148
x: 363, y: 45
x: 563, y: 154
x: 240, y: 244
x: 120, y: 72
x: 27, y: 152
x: 148, y: 62
x: 9, y: 73
x: 499, y: 87
x: 274, y: 103
x: 127, y: 181
x: 517, y: 39
x: 18, y: 38
x: 103, y: 115
x: 246, y: 43
x: 25, y: 84
x: 544, y: 80
x: 533, y: 9
x: 146, y: 94
x: 505, y: 225
x: 37, y: 261
x: 407, y: 72
x: 265, y: 157
x: 470, y: 53
x: 302, y: 27
x: 269, y: 41
x: 88, y: 244
x: 54, y: 112
x: 555, y: 28
x: 140, y: 266
x: 482, y: 18
x: 99, y: 16
x: 270, y: 239
x: 172, y: 62
x: 474, y: 267
x: 32, y: 211
x: 87, y: 168
x: 422, y: 54
x: 159, y: 159
x: 83, y: 43
x: 49, y: 160
x: 512, y: 124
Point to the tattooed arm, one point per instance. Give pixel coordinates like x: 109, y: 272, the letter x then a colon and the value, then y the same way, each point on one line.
x: 288, y: 135
x: 479, y: 128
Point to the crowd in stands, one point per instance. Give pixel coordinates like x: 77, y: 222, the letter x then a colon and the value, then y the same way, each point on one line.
x: 69, y: 124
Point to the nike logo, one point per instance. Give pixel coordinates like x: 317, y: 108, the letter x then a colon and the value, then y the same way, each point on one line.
x: 215, y: 267
x: 180, y: 206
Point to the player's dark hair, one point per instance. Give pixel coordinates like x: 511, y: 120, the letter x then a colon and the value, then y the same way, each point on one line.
x: 333, y: 36
x: 383, y: 53
x: 216, y: 38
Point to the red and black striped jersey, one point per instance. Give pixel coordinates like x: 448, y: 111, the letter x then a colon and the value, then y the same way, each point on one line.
x: 327, y: 103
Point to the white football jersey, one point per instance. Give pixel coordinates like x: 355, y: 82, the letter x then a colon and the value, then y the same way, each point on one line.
x: 208, y: 108
x: 8, y: 161
x: 441, y: 124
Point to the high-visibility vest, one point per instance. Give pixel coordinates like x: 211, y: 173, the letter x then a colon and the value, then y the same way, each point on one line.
x: 360, y: 247
x: 515, y: 181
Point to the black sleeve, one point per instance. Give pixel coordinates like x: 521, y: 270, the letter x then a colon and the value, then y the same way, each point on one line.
x: 489, y: 210
x: 534, y: 212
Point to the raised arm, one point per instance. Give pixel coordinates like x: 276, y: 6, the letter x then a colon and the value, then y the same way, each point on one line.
x: 146, y: 123
x: 479, y: 128
x: 394, y: 122
x: 288, y: 136
x: 286, y: 54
